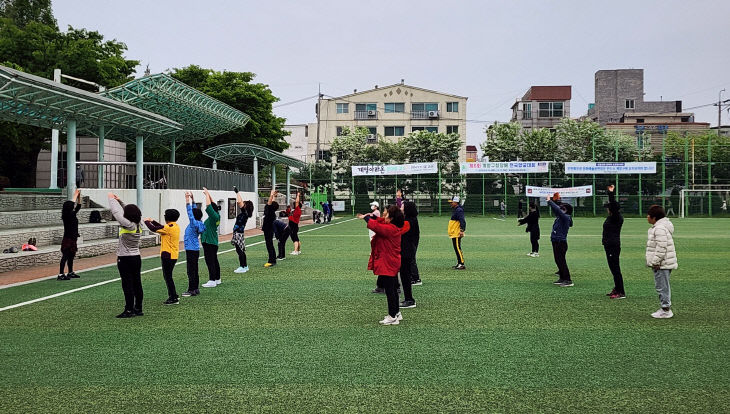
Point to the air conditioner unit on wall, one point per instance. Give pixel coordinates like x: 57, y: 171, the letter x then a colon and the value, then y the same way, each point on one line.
x: 371, y: 113
x: 433, y: 114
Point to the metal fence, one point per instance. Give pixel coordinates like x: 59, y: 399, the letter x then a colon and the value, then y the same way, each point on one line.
x: 482, y: 193
x: 122, y: 175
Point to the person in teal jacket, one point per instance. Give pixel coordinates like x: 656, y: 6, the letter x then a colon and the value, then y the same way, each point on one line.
x: 209, y: 240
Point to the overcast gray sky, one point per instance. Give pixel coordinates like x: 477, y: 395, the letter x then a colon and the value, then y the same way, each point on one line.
x: 489, y: 51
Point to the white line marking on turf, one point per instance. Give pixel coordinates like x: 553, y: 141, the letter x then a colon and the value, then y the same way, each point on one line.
x: 66, y: 292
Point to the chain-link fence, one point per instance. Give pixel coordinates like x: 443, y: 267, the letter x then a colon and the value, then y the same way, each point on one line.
x: 694, y: 168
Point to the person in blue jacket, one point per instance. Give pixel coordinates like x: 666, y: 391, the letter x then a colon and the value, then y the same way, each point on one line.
x: 559, y: 238
x: 325, y: 211
x: 192, y: 246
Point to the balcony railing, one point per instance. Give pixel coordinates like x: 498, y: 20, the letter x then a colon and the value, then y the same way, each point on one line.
x: 365, y: 115
x: 123, y: 175
x: 432, y: 114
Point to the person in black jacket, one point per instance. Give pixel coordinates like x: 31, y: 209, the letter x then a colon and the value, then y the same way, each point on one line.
x: 267, y: 226
x: 612, y: 243
x: 408, y: 248
x: 70, y: 236
x: 533, y: 227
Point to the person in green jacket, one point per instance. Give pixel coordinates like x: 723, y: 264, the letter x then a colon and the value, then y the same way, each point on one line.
x: 209, y: 240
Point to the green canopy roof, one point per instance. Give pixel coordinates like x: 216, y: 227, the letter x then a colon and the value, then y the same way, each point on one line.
x: 32, y: 100
x: 200, y: 115
x: 245, y: 153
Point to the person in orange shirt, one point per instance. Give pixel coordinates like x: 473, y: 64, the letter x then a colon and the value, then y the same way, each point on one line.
x: 169, y: 249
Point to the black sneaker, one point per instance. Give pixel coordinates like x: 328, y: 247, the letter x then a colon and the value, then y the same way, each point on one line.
x: 138, y: 312
x: 196, y: 292
x: 280, y: 258
x: 566, y: 283
x: 416, y: 282
x: 72, y: 275
x: 378, y: 290
x: 126, y: 314
x: 407, y: 304
x: 62, y: 277
x: 187, y: 294
x: 460, y: 267
x: 171, y: 301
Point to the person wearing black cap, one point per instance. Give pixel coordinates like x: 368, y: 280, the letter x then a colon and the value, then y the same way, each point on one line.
x: 169, y: 249
x: 611, y: 241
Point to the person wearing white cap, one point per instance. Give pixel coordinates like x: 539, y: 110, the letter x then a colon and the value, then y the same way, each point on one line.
x: 375, y: 207
x: 457, y: 226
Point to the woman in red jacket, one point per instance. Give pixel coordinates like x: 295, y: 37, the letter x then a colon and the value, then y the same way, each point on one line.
x: 385, y: 256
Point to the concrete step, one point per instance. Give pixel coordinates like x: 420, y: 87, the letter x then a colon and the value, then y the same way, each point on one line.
x: 42, y: 218
x: 50, y: 235
x: 52, y: 254
x: 29, y: 202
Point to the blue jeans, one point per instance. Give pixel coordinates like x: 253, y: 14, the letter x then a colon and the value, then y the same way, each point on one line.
x: 661, y: 283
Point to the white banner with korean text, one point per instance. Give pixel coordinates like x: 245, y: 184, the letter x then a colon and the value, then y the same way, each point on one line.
x: 509, y: 167
x: 391, y: 169
x: 567, y: 192
x: 610, y: 167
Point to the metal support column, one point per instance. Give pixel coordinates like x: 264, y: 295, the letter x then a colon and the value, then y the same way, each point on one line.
x: 615, y: 159
x: 54, y: 144
x: 273, y: 176
x: 640, y: 198
x: 664, y: 169
x: 505, y: 196
x: 593, y: 149
x: 256, y: 181
x: 686, y: 163
x: 483, y: 195
x: 352, y: 195
x: 139, y: 147
x: 100, y: 167
x: 172, y: 151
x: 288, y: 186
x: 709, y: 172
x: 438, y: 166
x: 70, y: 158
x: 215, y: 164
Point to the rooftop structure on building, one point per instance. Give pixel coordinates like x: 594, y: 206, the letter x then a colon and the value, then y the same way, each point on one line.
x: 388, y: 112
x: 542, y: 106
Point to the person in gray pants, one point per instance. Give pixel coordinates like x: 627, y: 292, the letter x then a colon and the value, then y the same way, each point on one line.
x: 661, y: 256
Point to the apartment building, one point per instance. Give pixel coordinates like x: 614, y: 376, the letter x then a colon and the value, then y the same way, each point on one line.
x: 298, y: 141
x: 389, y: 112
x: 542, y: 106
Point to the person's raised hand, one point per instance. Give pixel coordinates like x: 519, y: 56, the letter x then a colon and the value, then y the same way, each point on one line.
x: 611, y: 187
x: 359, y: 215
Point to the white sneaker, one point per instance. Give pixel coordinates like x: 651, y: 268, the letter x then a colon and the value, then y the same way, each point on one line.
x: 295, y: 253
x: 239, y: 270
x: 399, y: 316
x: 217, y: 282
x: 245, y: 269
x: 210, y: 283
x: 662, y: 314
x: 389, y: 320
x: 536, y: 255
x: 530, y: 254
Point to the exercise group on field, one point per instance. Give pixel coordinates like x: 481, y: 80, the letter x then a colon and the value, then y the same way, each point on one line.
x: 394, y: 239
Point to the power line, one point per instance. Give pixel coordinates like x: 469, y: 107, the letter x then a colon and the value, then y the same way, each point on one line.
x: 295, y: 102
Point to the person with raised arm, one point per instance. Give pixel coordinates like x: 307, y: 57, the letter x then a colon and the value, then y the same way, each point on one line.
x: 209, y: 239
x: 238, y: 240
x: 267, y: 226
x: 559, y: 238
x: 129, y: 260
x: 611, y: 240
x: 70, y: 236
x: 192, y: 245
x: 294, y: 218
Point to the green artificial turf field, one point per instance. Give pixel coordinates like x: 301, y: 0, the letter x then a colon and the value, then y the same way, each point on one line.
x: 304, y: 336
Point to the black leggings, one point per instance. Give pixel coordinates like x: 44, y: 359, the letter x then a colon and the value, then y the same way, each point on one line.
x: 211, y: 260
x: 168, y: 265
x: 269, y: 239
x: 241, y: 257
x: 612, y: 257
x: 534, y: 240
x: 407, y: 264
x: 191, y: 259
x: 282, y: 242
x: 559, y: 250
x: 456, y: 241
x: 67, y: 258
x: 130, y: 268
x: 390, y: 284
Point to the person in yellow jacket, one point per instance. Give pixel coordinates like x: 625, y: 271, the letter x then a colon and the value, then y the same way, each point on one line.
x: 169, y: 249
x: 457, y: 226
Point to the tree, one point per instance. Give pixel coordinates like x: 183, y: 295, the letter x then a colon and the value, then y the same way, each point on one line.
x: 31, y: 42
x: 502, y: 143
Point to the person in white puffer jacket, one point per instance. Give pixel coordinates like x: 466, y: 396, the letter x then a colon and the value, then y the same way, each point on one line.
x: 661, y: 256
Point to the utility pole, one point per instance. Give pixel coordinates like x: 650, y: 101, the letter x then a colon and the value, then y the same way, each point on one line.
x: 319, y: 104
x: 719, y: 111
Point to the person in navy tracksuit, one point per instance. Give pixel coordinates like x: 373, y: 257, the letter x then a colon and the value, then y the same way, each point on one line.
x: 559, y: 238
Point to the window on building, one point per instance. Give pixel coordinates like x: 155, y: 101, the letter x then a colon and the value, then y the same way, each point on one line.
x: 639, y: 120
x: 306, y: 130
x: 452, y: 129
x: 425, y: 128
x: 395, y: 107
x: 630, y: 104
x: 430, y: 106
x: 452, y: 107
x: 372, y: 130
x: 325, y: 155
x: 527, y: 111
x: 550, y: 110
x: 343, y: 108
x: 685, y: 119
x: 365, y: 107
x: 340, y: 131
x: 394, y: 131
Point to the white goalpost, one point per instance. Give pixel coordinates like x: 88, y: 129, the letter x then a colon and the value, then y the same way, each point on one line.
x: 704, y: 199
